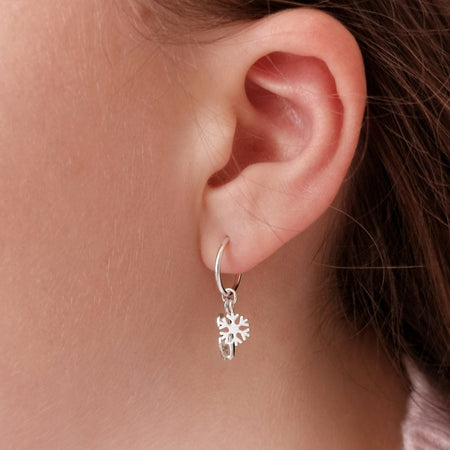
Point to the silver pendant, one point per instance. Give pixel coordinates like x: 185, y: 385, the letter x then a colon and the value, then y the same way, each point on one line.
x: 234, y: 328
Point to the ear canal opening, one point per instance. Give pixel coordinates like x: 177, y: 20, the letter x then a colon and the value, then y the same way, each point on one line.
x: 243, y: 147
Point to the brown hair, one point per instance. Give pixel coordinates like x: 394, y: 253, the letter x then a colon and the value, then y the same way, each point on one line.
x: 390, y: 256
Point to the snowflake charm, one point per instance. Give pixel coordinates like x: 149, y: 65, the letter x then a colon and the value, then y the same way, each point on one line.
x: 233, y: 332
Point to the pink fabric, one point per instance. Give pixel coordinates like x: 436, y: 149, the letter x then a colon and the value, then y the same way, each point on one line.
x: 427, y: 424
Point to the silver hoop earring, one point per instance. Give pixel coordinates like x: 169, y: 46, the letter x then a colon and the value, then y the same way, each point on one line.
x: 234, y: 329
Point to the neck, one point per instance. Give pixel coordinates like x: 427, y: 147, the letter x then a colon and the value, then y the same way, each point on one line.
x: 150, y: 375
x: 300, y: 381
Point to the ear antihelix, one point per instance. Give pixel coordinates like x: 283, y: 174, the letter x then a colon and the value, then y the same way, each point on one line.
x: 285, y: 95
x: 304, y: 95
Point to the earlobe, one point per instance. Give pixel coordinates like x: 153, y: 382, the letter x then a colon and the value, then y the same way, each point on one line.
x: 298, y: 117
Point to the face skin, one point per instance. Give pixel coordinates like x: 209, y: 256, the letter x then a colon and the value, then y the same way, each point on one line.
x: 107, y: 310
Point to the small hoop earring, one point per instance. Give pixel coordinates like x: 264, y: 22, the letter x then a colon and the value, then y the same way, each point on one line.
x: 238, y: 277
x: 234, y: 329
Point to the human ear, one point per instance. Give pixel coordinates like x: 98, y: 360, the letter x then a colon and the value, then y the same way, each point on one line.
x: 296, y: 85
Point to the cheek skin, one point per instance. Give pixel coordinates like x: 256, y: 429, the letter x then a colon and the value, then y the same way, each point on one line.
x: 89, y: 158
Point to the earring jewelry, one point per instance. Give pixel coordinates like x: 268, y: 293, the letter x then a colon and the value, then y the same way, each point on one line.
x: 234, y: 328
